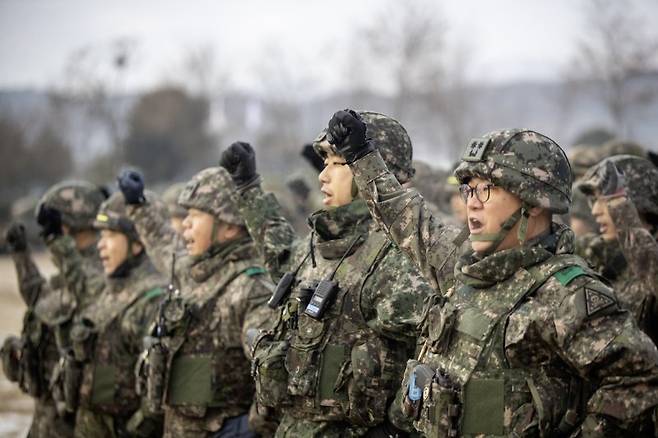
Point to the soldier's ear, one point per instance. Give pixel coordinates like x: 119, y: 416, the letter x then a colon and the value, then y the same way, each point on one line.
x: 136, y: 248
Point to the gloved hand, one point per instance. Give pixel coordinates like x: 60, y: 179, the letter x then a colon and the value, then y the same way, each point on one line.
x: 131, y: 184
x: 240, y: 161
x: 312, y: 157
x: 15, y: 238
x: 50, y: 221
x: 348, y: 132
x: 612, y: 182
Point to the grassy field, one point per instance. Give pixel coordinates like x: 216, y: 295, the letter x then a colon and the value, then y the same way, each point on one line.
x: 15, y: 407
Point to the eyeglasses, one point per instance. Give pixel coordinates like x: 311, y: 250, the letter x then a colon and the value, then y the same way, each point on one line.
x: 482, y: 191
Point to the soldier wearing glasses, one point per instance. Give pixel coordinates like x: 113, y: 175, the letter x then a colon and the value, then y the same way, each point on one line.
x: 528, y: 341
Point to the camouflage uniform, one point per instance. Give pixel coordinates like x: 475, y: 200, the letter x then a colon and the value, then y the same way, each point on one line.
x: 336, y: 373
x: 528, y: 341
x: 51, y: 305
x: 222, y: 294
x: 170, y: 199
x: 631, y: 261
x: 107, y: 338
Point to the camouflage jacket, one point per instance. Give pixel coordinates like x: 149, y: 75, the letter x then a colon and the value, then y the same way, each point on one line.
x: 222, y: 295
x: 630, y: 263
x: 574, y: 325
x: 110, y: 331
x: 365, y: 333
x: 51, y: 304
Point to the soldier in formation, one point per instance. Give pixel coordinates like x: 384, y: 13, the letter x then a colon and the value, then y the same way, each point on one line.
x: 347, y: 301
x: 386, y: 319
x: 198, y: 364
x: 65, y: 214
x: 528, y: 340
x: 623, y: 192
x: 107, y: 336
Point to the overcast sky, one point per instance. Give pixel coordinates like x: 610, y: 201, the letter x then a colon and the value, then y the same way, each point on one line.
x: 510, y: 39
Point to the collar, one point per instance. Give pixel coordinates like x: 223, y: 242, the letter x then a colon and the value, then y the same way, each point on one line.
x: 483, y: 272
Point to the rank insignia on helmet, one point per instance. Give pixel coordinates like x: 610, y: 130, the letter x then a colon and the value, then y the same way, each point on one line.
x: 476, y: 148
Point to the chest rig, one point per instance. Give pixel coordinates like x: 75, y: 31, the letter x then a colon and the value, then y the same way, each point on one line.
x: 205, y: 363
x: 466, y: 384
x: 108, y: 358
x: 336, y: 367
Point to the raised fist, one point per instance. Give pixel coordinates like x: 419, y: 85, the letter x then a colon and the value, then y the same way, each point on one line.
x: 50, y: 221
x: 131, y: 184
x: 240, y: 161
x: 15, y: 237
x: 348, y: 132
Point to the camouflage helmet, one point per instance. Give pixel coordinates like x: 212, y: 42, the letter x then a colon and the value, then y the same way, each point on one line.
x: 170, y: 199
x: 212, y: 191
x: 641, y: 181
x: 582, y: 157
x: 391, y: 139
x: 112, y: 216
x: 77, y: 202
x: 623, y: 147
x: 523, y: 162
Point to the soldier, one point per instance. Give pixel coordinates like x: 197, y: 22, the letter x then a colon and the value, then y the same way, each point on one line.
x: 176, y: 212
x: 107, y: 335
x: 65, y: 214
x: 529, y: 341
x: 348, y: 302
x: 623, y: 191
x: 199, y: 364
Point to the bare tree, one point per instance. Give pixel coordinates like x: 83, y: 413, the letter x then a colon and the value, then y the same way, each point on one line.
x: 617, y: 50
x: 90, y: 93
x: 405, y: 42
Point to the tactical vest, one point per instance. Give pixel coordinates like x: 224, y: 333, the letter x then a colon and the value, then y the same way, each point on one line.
x: 108, y: 376
x: 206, y: 366
x: 473, y: 390
x: 338, y: 368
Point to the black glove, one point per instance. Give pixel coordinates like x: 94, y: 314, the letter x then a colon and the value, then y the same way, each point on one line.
x: 131, y: 184
x: 15, y: 237
x: 50, y: 221
x: 312, y: 157
x: 612, y: 182
x: 348, y: 132
x: 240, y: 161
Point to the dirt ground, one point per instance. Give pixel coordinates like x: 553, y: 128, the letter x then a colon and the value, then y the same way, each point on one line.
x: 15, y: 407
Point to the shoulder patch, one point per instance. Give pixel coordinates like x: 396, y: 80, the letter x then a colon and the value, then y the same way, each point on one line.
x: 155, y: 292
x: 595, y: 301
x: 568, y: 274
x: 255, y: 270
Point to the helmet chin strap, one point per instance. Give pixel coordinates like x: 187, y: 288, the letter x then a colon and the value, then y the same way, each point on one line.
x: 521, y: 215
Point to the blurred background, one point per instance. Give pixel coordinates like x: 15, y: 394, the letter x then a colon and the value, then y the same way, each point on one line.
x: 88, y: 88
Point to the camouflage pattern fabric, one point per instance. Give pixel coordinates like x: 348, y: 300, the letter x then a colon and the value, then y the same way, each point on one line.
x: 51, y: 307
x: 582, y: 158
x: 392, y: 141
x: 631, y: 261
x: 77, y: 201
x: 224, y: 302
x: 121, y: 318
x: 170, y: 199
x: 523, y: 162
x: 211, y: 190
x: 363, y: 336
x: 641, y: 181
x: 557, y: 326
